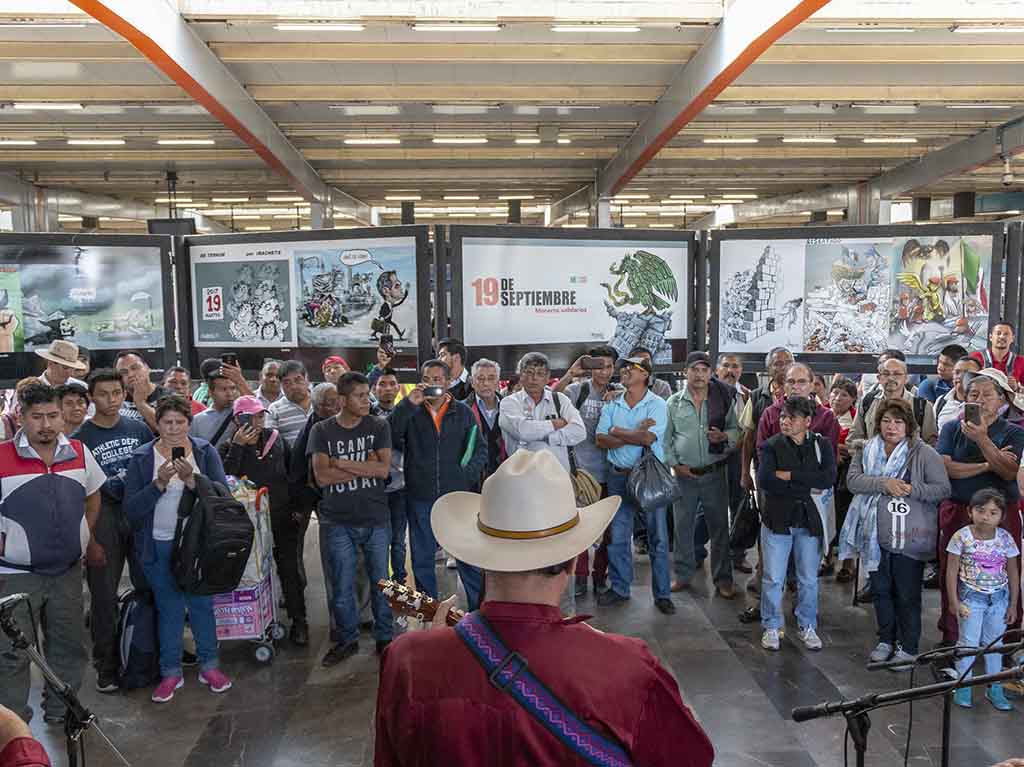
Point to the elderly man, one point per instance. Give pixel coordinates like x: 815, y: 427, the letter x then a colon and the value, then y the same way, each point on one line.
x: 269, y: 390
x: 525, y: 532
x: 537, y: 418
x: 950, y: 406
x: 485, y: 403
x: 982, y: 450
x: 702, y: 431
x: 61, y: 363
x: 892, y: 379
x: 799, y: 382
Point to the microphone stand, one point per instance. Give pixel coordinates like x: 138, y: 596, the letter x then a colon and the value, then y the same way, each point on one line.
x: 856, y: 711
x: 78, y: 718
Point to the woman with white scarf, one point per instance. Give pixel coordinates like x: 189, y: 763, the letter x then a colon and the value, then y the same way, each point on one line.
x: 892, y: 525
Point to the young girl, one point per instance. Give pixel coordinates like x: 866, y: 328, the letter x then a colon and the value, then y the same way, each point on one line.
x: 983, y: 583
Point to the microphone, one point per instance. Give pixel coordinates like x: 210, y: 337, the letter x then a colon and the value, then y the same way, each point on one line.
x: 8, y: 603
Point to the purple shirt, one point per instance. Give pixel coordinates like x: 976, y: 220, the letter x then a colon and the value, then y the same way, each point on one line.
x: 824, y: 423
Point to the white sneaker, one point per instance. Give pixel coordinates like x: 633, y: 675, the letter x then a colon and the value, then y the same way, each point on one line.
x: 770, y: 639
x: 906, y: 658
x: 810, y: 638
x: 450, y: 563
x: 881, y: 653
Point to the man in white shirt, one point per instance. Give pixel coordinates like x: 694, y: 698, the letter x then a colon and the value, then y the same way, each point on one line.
x: 531, y: 420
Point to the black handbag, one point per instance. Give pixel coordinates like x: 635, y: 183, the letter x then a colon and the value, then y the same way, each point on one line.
x: 651, y: 483
x: 746, y: 524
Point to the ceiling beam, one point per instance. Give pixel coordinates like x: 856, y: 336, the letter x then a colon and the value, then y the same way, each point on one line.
x: 158, y: 31
x: 746, y: 31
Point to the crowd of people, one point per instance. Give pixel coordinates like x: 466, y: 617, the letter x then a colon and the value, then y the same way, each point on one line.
x: 891, y: 484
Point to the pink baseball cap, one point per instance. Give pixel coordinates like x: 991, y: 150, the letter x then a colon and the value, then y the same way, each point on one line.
x: 248, y: 405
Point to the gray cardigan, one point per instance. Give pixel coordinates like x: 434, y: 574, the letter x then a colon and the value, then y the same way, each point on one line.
x: 928, y: 478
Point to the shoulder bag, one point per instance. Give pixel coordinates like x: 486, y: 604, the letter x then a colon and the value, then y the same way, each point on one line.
x: 587, y: 489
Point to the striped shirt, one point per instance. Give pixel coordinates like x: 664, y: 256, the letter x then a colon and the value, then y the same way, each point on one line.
x: 288, y: 418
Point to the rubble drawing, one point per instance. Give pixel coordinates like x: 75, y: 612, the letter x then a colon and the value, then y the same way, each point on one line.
x: 762, y: 304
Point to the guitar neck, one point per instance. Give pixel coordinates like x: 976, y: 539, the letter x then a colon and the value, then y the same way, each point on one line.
x: 415, y: 604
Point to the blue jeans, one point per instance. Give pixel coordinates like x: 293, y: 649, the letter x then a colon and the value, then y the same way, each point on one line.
x: 711, y: 493
x: 620, y: 555
x: 424, y: 548
x: 775, y: 550
x: 342, y: 545
x: 399, y: 526
x: 170, y: 605
x: 986, y: 623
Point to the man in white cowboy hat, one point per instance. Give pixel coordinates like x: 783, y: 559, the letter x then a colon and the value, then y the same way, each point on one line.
x: 61, y: 362
x: 603, y: 695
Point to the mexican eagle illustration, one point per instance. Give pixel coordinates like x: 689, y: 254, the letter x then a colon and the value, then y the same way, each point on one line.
x: 649, y: 282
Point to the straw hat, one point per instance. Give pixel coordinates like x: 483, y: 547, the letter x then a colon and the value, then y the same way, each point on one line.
x: 63, y: 353
x: 998, y: 377
x: 525, y: 518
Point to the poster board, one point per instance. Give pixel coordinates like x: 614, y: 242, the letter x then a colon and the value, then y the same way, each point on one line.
x: 107, y: 293
x: 309, y: 295
x: 560, y: 291
x: 841, y: 295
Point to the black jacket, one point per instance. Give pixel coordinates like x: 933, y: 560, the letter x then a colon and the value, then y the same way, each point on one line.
x: 304, y: 495
x: 270, y: 471
x: 433, y: 461
x: 495, y: 440
x: 789, y: 504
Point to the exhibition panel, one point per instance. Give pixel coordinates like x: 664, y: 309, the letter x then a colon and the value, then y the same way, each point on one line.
x: 518, y: 289
x: 308, y: 295
x: 105, y: 293
x: 844, y: 294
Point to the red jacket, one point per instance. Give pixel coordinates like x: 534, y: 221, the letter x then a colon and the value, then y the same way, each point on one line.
x: 1014, y: 361
x: 24, y: 752
x: 436, y: 706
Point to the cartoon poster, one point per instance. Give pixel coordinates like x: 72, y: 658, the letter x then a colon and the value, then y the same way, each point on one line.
x: 99, y: 297
x: 546, y: 291
x: 356, y: 293
x: 242, y: 294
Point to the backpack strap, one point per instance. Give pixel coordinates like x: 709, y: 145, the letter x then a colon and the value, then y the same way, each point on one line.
x: 919, y: 408
x: 221, y: 429
x: 274, y: 434
x: 582, y: 396
x: 509, y: 672
x: 557, y: 397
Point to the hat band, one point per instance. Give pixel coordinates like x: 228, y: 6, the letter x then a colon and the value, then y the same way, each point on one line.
x: 528, y: 534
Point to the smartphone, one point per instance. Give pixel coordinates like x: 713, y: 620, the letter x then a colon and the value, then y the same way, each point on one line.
x: 972, y: 413
x: 433, y: 391
x: 177, y: 452
x: 229, y: 358
x: 245, y: 419
x: 592, y: 363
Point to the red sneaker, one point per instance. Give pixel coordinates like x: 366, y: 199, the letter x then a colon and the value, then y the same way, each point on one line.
x: 215, y: 679
x: 165, y: 690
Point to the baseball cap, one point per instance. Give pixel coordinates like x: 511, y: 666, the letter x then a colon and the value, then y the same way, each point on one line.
x: 334, y: 359
x: 698, y: 358
x: 247, y: 405
x: 640, y: 362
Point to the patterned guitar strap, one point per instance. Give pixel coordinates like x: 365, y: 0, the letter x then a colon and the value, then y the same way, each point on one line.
x: 509, y: 672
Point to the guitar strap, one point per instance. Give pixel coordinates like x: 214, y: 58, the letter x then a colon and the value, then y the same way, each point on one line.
x: 510, y: 673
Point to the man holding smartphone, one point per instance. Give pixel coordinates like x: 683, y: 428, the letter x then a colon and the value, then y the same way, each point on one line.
x: 216, y: 424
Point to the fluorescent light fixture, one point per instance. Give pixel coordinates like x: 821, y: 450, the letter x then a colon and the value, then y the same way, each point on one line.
x: 1009, y: 212
x: 257, y: 228
x: 229, y: 199
x: 808, y: 140
x: 44, y: 25
x: 804, y: 213
x: 456, y: 27
x: 606, y: 28
x: 51, y: 106
x: 724, y: 140
x: 95, y: 142
x: 515, y: 197
x: 989, y: 30
x: 979, y: 106
x: 367, y: 110
x: 463, y: 109
x: 454, y: 197
x: 246, y: 217
x: 886, y: 109
x: 740, y: 196
x: 565, y: 141
x: 372, y: 141
x: 630, y: 226
x: 17, y: 142
x: 686, y: 197
x: 291, y: 216
x: 835, y: 212
x: 633, y: 214
x: 871, y: 30
x: 319, y: 27
x: 726, y: 201
x: 402, y: 197
x: 527, y: 140
x: 574, y: 226
x: 890, y: 140
x: 497, y: 215
x: 569, y: 106
x: 198, y: 205
x: 177, y: 200
x: 65, y: 219
x: 661, y: 226
x: 290, y: 198
x: 459, y: 140
x: 186, y: 142
x: 630, y: 196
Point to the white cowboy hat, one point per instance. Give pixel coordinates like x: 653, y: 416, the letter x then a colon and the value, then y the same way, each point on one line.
x: 998, y: 377
x: 63, y: 353
x: 525, y: 518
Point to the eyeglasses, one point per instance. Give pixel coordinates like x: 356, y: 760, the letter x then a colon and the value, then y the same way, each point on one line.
x: 534, y: 373
x: 885, y: 374
x: 798, y: 381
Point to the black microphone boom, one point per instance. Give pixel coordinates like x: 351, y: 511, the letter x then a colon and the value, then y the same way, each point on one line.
x: 8, y: 603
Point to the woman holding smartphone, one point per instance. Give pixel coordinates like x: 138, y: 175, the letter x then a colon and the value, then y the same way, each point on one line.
x: 158, y: 474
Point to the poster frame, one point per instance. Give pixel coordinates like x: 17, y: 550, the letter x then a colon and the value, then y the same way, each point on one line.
x: 501, y: 353
x: 849, y: 363
x: 307, y: 354
x: 26, y: 363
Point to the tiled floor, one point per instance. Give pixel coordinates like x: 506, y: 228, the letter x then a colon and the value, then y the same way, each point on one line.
x: 294, y: 712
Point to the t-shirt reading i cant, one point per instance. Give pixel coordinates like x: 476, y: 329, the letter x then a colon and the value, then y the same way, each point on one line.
x: 360, y: 502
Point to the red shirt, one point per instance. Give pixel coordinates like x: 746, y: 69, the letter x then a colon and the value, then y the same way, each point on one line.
x: 197, y: 407
x: 436, y: 706
x: 987, y: 359
x: 824, y: 423
x: 24, y: 752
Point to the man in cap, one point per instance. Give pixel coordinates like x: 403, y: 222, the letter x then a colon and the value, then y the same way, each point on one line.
x: 525, y: 532
x: 333, y: 368
x: 61, y: 363
x: 702, y: 430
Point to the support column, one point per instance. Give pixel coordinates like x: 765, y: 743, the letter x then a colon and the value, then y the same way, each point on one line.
x: 963, y: 205
x: 408, y: 212
x: 604, y: 213
x: 515, y: 211
x: 921, y: 209
x: 321, y: 216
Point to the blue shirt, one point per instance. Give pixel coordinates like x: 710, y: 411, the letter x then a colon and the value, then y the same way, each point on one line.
x: 954, y: 443
x: 112, y: 448
x: 618, y: 413
x: 933, y: 388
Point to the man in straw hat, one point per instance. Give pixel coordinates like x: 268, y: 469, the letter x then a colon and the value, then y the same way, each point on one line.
x: 62, y: 363
x: 560, y: 692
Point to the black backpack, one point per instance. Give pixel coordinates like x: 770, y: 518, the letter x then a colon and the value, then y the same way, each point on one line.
x: 212, y: 541
x: 138, y: 646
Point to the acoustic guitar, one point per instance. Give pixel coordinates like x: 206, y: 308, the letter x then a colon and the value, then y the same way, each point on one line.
x: 414, y: 604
